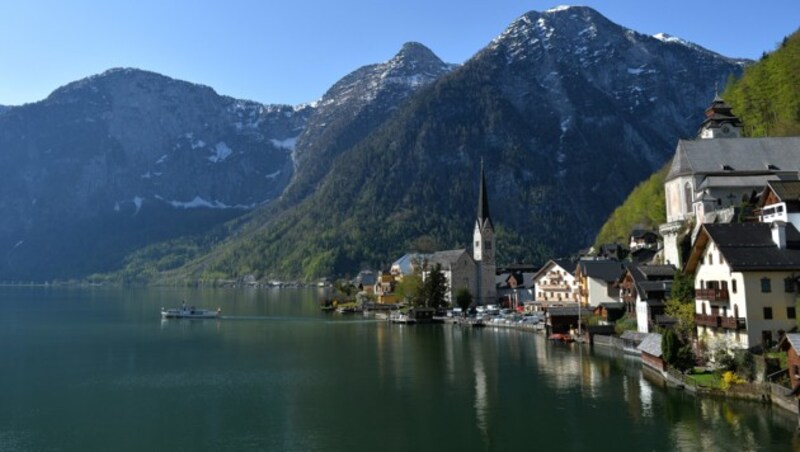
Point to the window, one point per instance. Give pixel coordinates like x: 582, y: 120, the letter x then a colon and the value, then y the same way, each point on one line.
x: 791, y: 312
x: 710, y: 259
x: 766, y: 285
x: 733, y: 285
x: 767, y: 313
x: 488, y: 245
x: 687, y: 195
x: 788, y: 285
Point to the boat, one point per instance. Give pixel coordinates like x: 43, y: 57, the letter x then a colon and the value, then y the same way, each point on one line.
x: 186, y: 312
x: 558, y: 337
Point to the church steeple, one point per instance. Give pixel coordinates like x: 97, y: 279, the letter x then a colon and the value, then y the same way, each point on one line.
x: 720, y: 121
x: 484, y: 219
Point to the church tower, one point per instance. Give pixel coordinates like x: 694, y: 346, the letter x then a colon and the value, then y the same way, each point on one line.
x: 484, y: 248
x: 720, y: 121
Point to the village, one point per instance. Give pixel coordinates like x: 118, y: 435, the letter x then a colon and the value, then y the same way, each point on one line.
x: 708, y: 301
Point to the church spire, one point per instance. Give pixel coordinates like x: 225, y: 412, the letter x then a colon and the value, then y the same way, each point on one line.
x: 483, y: 203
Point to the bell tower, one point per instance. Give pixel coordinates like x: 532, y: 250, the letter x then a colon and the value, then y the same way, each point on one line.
x: 484, y: 248
x: 720, y: 121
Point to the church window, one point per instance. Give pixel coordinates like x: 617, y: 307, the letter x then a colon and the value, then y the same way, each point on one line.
x: 488, y: 245
x: 687, y: 194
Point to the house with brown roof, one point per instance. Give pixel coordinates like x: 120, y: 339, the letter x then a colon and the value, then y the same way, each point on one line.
x: 746, y: 277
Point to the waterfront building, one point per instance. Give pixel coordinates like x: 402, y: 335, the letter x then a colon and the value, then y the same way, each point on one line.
x: 596, y: 281
x: 458, y: 268
x: 644, y: 290
x: 555, y: 283
x: 745, y: 278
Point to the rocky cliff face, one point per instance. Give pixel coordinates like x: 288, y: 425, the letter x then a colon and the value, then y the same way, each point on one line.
x: 121, y: 148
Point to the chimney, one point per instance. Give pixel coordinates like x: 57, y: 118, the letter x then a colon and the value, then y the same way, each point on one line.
x: 778, y: 229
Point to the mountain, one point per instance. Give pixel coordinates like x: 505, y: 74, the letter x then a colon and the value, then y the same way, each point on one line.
x: 355, y: 106
x: 111, y: 163
x: 569, y: 111
x: 128, y: 158
x: 766, y: 97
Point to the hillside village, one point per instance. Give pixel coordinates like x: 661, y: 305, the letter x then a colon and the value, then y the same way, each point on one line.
x: 712, y: 292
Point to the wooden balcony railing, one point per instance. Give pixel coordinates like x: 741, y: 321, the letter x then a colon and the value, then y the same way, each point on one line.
x: 707, y: 320
x: 733, y: 323
x: 712, y: 294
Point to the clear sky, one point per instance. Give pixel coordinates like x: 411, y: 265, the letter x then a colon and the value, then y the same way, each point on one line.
x: 291, y: 51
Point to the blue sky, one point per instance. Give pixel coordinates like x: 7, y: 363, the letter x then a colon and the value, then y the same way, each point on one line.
x: 291, y: 51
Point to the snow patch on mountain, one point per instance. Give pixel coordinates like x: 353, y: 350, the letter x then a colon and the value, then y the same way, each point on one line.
x: 288, y: 143
x: 199, y: 202
x: 221, y: 152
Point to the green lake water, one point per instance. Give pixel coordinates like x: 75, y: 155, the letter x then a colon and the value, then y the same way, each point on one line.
x: 97, y: 369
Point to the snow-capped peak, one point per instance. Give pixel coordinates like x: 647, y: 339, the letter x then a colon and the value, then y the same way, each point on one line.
x: 558, y: 8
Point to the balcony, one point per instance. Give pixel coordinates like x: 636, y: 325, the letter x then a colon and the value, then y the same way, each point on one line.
x: 715, y: 321
x: 707, y: 320
x: 563, y: 287
x: 733, y: 323
x: 712, y: 294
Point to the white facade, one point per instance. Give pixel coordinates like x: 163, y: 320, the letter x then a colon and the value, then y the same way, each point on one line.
x: 759, y: 297
x: 555, y: 285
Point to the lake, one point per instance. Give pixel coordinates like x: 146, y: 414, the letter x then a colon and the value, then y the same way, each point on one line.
x: 97, y: 369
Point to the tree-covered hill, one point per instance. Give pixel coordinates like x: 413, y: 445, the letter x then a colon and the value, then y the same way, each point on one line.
x: 767, y: 96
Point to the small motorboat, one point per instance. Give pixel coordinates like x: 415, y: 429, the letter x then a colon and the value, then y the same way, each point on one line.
x: 185, y: 312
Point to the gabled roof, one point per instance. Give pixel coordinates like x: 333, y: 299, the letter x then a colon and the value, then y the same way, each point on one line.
x: 446, y: 258
x: 786, y: 191
x: 565, y: 264
x: 753, y: 155
x: 651, y: 345
x: 747, y: 247
x: 605, y: 270
x: 794, y: 340
x: 657, y: 271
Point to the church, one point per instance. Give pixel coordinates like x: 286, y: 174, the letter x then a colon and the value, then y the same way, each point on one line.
x: 474, y: 272
x: 713, y: 176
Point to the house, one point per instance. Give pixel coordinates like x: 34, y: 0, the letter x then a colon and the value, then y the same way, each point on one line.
x: 365, y: 281
x: 555, y: 283
x: 780, y: 201
x: 643, y: 239
x: 745, y: 281
x: 515, y: 285
x: 596, y: 281
x: 644, y: 290
x: 650, y: 349
x: 710, y: 176
x: 384, y: 289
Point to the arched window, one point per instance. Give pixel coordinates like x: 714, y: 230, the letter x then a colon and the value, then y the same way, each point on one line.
x: 687, y: 194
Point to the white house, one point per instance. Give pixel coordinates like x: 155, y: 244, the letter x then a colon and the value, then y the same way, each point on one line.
x: 596, y: 281
x: 745, y: 281
x: 555, y: 283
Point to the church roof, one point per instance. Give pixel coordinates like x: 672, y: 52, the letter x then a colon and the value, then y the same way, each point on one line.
x: 484, y: 217
x: 446, y: 258
x: 771, y: 155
